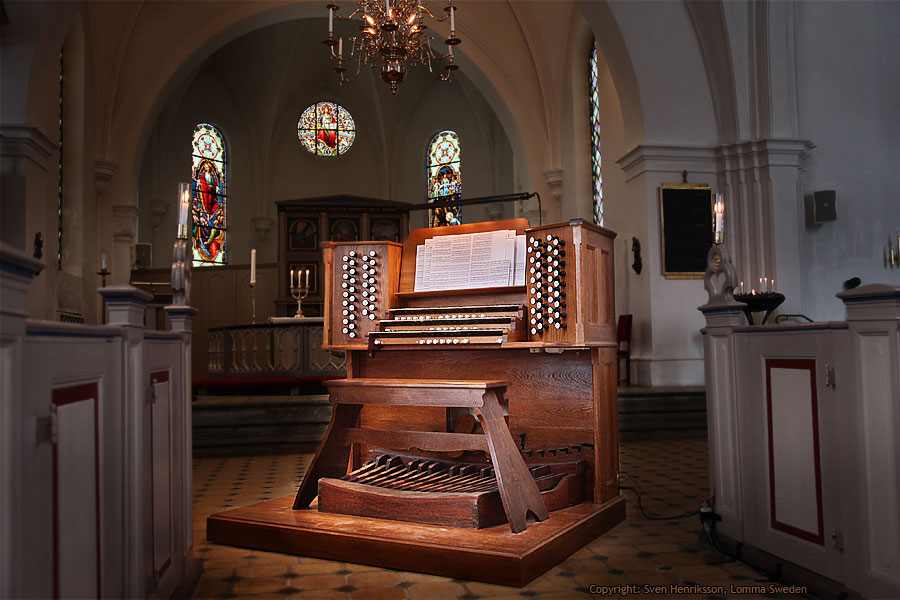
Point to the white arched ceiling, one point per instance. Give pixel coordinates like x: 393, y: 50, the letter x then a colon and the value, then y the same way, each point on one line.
x: 514, y: 53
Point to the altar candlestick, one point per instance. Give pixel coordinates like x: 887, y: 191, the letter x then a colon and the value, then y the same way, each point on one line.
x: 292, y: 278
x: 253, y: 267
x: 103, y: 260
x: 307, y: 278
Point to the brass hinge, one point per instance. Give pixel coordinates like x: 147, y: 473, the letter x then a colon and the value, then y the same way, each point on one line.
x: 829, y: 377
x: 837, y: 538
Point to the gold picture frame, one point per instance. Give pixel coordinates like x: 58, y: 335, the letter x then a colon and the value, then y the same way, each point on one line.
x: 686, y: 213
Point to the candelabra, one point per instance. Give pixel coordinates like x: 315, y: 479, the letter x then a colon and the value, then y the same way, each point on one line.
x: 299, y: 292
x: 392, y: 35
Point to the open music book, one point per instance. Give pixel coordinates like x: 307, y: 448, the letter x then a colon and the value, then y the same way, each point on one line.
x: 472, y: 260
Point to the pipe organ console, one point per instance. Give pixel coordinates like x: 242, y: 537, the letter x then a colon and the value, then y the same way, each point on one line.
x: 468, y: 411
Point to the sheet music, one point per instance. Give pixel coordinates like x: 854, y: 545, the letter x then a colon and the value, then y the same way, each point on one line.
x: 420, y: 268
x: 474, y: 260
x: 437, y: 277
x: 519, y: 268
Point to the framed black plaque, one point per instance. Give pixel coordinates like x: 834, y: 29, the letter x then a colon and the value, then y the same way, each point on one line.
x: 686, y: 220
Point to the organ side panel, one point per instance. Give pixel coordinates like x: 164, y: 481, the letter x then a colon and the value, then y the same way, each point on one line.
x: 569, y: 284
x: 364, y: 277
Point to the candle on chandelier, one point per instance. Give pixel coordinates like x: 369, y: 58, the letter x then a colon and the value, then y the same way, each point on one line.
x: 452, y: 21
x: 341, y: 47
x: 773, y: 286
x: 253, y: 267
x: 742, y: 287
x: 330, y: 19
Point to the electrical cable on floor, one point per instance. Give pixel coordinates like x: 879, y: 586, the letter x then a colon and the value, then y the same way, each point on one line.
x: 639, y: 492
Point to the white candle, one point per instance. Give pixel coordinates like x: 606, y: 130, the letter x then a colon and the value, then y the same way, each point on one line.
x: 387, y: 8
x: 292, y: 278
x: 742, y: 287
x: 452, y: 19
x: 184, y: 203
x: 773, y: 285
x: 720, y: 212
x: 307, y: 278
x: 330, y: 20
x: 766, y: 287
x: 341, y: 47
x: 103, y: 260
x: 253, y: 266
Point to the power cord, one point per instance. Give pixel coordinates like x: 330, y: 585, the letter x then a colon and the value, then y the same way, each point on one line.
x: 639, y: 492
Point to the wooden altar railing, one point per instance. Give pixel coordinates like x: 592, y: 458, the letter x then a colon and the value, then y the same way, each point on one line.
x: 292, y: 348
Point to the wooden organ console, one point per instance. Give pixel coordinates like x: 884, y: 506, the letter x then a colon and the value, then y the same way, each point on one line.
x: 476, y: 433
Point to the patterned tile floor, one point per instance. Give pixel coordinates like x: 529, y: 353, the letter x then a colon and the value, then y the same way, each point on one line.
x: 638, y: 552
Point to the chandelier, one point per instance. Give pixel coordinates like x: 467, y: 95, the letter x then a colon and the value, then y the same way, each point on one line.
x: 392, y: 34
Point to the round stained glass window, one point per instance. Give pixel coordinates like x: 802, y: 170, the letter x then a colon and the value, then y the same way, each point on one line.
x: 326, y: 129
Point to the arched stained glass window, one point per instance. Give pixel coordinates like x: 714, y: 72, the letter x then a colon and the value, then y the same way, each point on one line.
x: 444, y: 180
x: 210, y: 193
x: 595, y: 140
x: 326, y: 129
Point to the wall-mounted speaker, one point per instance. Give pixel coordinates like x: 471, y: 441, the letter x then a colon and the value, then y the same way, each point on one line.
x: 824, y: 206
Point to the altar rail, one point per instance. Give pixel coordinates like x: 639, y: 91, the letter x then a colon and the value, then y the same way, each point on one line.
x: 292, y: 348
x: 95, y: 448
x: 804, y: 438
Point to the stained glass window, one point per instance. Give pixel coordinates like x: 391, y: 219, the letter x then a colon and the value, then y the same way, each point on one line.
x: 210, y: 192
x: 326, y: 129
x: 59, y: 183
x: 595, y: 140
x: 444, y: 180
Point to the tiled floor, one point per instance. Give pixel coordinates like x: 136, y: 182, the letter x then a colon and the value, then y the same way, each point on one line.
x: 673, y: 475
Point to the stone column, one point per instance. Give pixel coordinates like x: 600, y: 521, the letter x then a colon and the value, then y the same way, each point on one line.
x: 723, y: 313
x: 125, y: 222
x: 127, y: 306
x: 17, y: 270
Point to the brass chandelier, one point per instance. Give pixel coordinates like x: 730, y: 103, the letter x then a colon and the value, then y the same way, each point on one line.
x: 392, y: 34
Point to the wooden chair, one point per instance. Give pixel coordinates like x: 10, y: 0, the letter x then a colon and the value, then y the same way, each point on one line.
x: 518, y: 490
x: 623, y: 338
